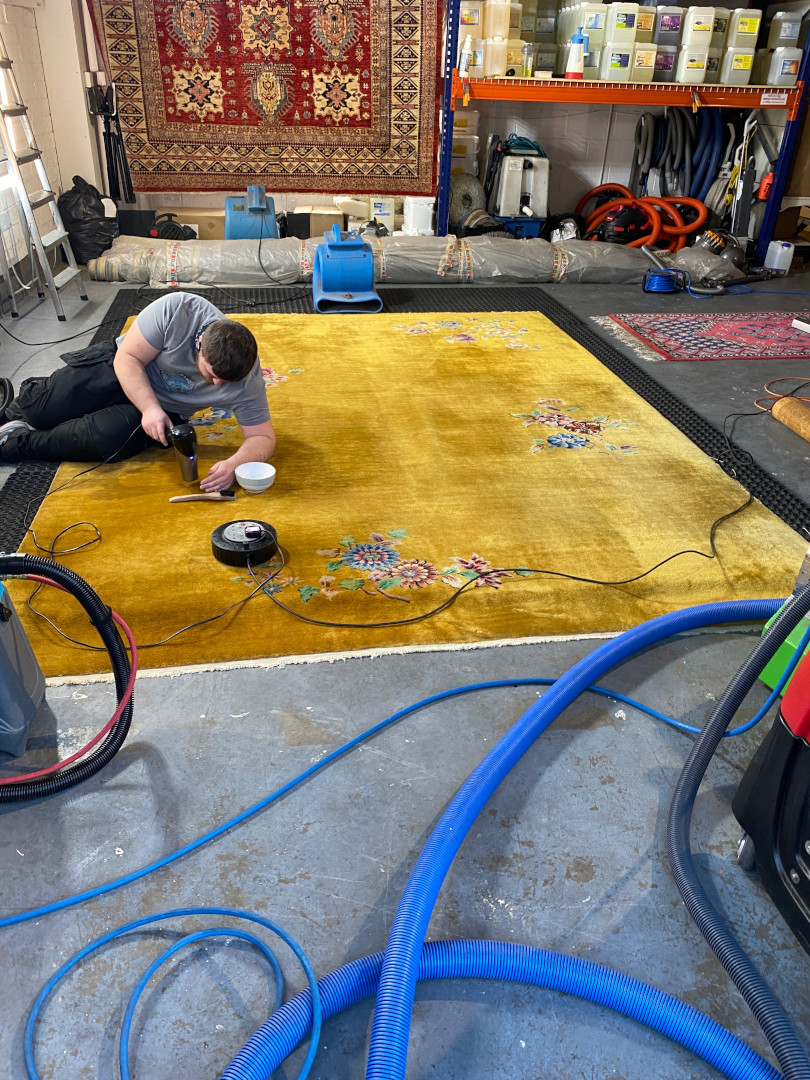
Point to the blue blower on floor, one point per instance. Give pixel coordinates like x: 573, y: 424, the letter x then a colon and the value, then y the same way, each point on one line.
x: 343, y: 274
x: 251, y: 216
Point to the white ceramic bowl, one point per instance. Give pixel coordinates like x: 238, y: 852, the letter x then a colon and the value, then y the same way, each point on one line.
x: 255, y: 476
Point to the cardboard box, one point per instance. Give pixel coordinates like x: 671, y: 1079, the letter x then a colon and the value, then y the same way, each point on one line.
x: 209, y: 222
x: 793, y: 224
x: 313, y: 221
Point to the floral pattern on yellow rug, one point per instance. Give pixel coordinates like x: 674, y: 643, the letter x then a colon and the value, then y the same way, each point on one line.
x: 473, y: 330
x: 382, y: 569
x: 572, y: 433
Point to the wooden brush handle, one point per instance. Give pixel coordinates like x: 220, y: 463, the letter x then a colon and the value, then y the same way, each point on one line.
x: 205, y: 496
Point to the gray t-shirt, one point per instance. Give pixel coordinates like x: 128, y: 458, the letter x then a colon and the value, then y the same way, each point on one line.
x: 171, y: 324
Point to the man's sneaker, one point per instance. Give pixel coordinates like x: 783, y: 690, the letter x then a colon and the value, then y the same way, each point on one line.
x: 6, y: 397
x: 13, y: 429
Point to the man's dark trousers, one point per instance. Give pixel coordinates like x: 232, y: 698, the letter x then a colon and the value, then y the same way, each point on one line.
x: 80, y: 413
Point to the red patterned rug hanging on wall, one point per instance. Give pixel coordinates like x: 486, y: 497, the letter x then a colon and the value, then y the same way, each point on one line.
x: 297, y: 95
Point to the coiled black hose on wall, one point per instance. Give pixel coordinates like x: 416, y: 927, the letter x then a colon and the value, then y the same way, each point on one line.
x: 16, y: 565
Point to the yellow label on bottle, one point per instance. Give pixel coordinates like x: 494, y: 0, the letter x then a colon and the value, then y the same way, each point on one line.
x: 748, y: 25
x: 741, y: 62
x: 470, y: 16
x: 646, y: 20
x: 695, y: 62
x: 703, y: 24
x: 644, y: 58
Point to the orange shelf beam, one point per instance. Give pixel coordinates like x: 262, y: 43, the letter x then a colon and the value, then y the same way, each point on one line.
x: 608, y: 93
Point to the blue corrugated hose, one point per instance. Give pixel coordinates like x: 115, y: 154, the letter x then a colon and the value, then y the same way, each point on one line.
x: 516, y: 963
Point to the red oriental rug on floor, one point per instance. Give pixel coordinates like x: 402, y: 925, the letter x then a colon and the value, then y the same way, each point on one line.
x: 296, y: 95
x: 726, y: 336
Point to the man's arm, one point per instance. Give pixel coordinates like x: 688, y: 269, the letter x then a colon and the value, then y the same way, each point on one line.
x: 259, y: 444
x: 133, y: 357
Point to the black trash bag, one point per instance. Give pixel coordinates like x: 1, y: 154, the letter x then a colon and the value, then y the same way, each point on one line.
x: 82, y: 210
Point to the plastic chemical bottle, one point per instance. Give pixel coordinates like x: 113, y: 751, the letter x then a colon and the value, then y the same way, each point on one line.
x: 783, y: 69
x: 574, y: 67
x: 698, y: 26
x: 642, y: 66
x: 465, y: 57
x: 784, y: 30
x: 736, y: 67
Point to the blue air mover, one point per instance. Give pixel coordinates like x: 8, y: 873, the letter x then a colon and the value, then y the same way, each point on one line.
x: 251, y: 216
x: 343, y: 274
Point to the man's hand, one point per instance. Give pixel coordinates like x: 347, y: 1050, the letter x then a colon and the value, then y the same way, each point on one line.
x: 221, y: 476
x: 156, y: 424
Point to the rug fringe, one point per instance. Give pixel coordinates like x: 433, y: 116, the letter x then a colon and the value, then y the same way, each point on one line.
x: 270, y: 663
x: 644, y: 352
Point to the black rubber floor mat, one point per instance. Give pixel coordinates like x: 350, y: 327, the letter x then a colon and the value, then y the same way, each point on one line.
x: 398, y: 298
x: 21, y: 496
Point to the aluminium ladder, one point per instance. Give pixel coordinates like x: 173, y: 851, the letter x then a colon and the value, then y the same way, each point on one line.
x: 19, y: 148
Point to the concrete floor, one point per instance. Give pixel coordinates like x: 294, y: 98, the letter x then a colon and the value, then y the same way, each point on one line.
x: 569, y: 853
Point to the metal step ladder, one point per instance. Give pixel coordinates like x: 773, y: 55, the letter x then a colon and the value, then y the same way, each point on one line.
x: 19, y: 148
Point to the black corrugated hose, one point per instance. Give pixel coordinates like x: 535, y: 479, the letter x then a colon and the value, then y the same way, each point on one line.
x: 16, y: 565
x: 778, y: 1028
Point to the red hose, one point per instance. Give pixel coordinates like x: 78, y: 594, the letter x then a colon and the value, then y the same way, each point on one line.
x: 654, y: 218
x: 619, y: 188
x: 113, y: 719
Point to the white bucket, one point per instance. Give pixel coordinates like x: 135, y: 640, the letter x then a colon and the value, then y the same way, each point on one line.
x: 418, y: 213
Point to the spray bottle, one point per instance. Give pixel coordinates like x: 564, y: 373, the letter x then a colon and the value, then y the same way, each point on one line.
x: 575, y: 64
x: 465, y: 57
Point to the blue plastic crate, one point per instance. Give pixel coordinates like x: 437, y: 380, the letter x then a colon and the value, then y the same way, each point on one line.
x: 522, y: 227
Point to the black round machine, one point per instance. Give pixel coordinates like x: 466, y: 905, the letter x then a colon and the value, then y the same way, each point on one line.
x: 624, y: 224
x: 239, y: 542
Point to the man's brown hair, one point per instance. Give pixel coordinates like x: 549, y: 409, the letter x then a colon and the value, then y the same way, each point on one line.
x: 230, y: 349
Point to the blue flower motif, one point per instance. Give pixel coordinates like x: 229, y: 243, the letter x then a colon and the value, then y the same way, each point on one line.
x: 370, y: 556
x: 211, y: 416
x: 565, y: 439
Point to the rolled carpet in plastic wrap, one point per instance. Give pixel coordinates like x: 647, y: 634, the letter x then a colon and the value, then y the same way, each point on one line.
x: 398, y: 260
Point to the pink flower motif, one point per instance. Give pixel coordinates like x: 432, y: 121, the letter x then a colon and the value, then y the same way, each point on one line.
x: 481, y: 566
x: 272, y: 378
x: 415, y: 573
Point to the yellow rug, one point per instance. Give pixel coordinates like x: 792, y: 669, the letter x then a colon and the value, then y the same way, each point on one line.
x: 415, y: 452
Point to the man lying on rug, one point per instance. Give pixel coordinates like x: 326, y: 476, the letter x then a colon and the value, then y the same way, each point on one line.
x: 108, y: 403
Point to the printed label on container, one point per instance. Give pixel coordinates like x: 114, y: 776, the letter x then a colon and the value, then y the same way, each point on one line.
x: 790, y: 67
x: 664, y: 61
x: 671, y: 23
x: 591, y: 59
x: 702, y: 23
x: 545, y: 25
x: 741, y: 62
x: 789, y: 30
x: 713, y: 63
x: 619, y: 59
x: 720, y: 24
x: 748, y: 25
x: 527, y: 24
x: 625, y: 20
x: 696, y: 62
x: 594, y: 20
x: 470, y: 16
x: 646, y: 20
x: 644, y: 58
x: 477, y: 58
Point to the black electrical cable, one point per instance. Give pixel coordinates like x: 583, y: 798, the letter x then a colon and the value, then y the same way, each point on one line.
x: 775, y: 1023
x: 503, y: 570
x: 99, y: 614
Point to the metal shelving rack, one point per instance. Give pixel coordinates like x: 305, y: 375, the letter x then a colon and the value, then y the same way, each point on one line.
x: 569, y: 90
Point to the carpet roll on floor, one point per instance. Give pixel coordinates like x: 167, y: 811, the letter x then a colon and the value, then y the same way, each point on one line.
x: 793, y: 413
